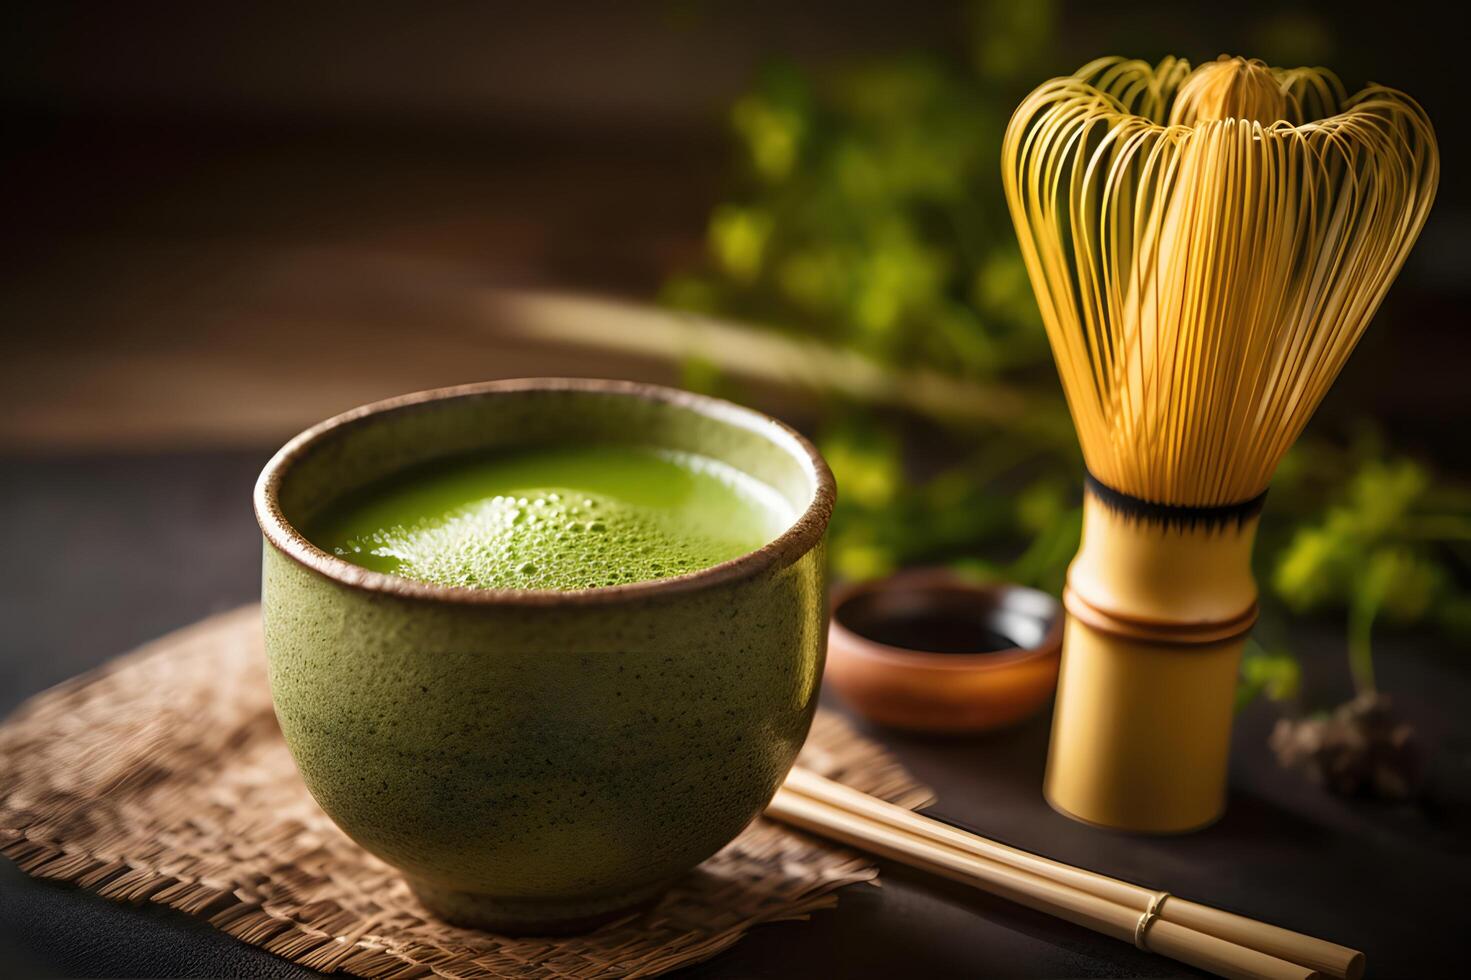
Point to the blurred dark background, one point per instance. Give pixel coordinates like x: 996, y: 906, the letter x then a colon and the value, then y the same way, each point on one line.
x: 223, y: 221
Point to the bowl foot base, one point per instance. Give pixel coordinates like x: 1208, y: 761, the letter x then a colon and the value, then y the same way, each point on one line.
x: 533, y: 917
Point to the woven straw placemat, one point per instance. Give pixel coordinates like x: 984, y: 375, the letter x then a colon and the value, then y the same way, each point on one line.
x: 162, y: 777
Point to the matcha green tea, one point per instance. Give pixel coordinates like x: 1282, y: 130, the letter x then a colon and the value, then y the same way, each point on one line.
x: 566, y: 517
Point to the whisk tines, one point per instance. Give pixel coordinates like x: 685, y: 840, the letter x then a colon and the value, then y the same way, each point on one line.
x: 1207, y: 247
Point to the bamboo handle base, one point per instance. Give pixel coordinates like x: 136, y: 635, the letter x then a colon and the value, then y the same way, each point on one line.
x: 1157, y: 617
x: 1142, y: 732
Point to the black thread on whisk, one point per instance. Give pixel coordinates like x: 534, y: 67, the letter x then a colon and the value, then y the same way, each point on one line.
x: 1173, y: 516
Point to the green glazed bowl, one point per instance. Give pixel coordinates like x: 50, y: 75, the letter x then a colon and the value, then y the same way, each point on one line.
x: 536, y: 761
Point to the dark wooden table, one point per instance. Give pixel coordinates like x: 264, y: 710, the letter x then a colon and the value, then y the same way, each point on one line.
x: 106, y: 551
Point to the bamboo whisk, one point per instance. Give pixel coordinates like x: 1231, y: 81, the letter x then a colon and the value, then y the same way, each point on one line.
x: 1206, y: 248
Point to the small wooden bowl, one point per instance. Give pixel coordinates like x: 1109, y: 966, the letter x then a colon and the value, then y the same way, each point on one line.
x: 873, y: 664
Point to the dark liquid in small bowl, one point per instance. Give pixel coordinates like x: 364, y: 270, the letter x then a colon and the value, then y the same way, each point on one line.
x: 936, y: 620
x: 940, y: 631
x: 928, y: 651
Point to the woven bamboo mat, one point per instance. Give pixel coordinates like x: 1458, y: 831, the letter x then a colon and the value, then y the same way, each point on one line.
x: 162, y: 777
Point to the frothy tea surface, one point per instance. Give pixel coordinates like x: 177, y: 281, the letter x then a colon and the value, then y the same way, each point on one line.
x: 565, y: 517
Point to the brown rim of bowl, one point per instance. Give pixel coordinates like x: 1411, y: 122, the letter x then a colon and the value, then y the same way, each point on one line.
x: 918, y: 580
x: 798, y: 539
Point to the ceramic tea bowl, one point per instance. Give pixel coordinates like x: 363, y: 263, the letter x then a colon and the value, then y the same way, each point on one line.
x: 536, y: 761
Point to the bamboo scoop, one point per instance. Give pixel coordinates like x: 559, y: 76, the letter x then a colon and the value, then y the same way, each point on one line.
x: 1223, y: 943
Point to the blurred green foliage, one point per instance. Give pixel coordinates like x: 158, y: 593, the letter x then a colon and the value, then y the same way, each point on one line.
x: 1265, y: 673
x: 871, y: 216
x: 1388, y: 542
x: 868, y: 213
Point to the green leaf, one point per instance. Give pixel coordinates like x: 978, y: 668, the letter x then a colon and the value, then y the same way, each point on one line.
x: 1309, y: 569
x: 868, y: 470
x: 1400, y: 583
x: 1274, y: 675
x: 738, y: 238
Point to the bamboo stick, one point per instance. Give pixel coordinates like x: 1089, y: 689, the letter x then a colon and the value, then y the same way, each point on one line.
x: 1082, y: 908
x: 1330, y: 958
x: 764, y: 356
